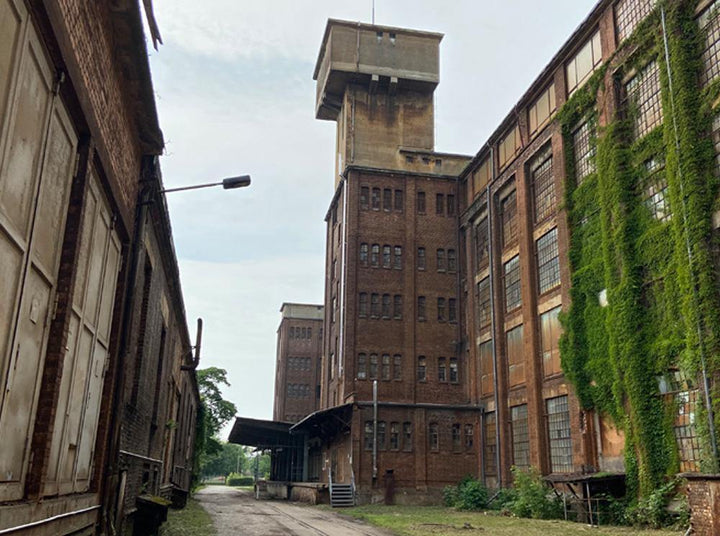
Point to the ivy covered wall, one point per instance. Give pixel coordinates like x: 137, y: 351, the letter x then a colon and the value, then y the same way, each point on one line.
x: 661, y: 311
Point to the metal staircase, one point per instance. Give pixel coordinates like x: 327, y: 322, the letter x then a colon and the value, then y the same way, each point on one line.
x: 341, y: 495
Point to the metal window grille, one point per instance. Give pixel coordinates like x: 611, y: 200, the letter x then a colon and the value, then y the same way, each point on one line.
x: 628, y: 14
x: 434, y: 436
x: 520, y: 436
x: 483, y: 303
x: 558, y: 415
x: 372, y: 373
x: 489, y: 446
x: 643, y: 91
x: 548, y: 261
x: 543, y: 184
x: 709, y: 22
x: 508, y: 217
x: 680, y: 394
x: 584, y: 151
x: 656, y: 197
x: 397, y: 367
x: 481, y: 244
x: 442, y: 370
x: 513, y: 296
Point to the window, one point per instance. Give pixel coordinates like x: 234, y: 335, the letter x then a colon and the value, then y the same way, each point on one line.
x: 489, y: 447
x: 454, y: 373
x: 373, y: 371
x: 421, y: 259
x: 442, y: 369
x: 407, y: 436
x: 558, y: 419
x: 542, y: 109
x: 450, y: 205
x: 481, y: 243
x: 304, y: 333
x: 628, y: 14
x: 509, y: 146
x: 385, y: 367
x: 364, y: 197
x: 368, y: 436
x: 387, y: 199
x: 508, y: 218
x: 386, y: 256
x: 376, y: 198
x: 584, y: 151
x: 482, y: 298
x: 515, y: 356
x: 397, y: 261
x: 362, y: 305
x: 399, y: 200
x: 487, y: 374
x: 513, y: 296
x: 451, y: 260
x: 452, y: 310
x: 481, y: 177
x: 643, y: 93
x: 434, y: 436
x: 550, y: 331
x: 439, y: 204
x: 709, y: 22
x: 520, y: 436
x: 441, y: 309
x: 362, y: 367
x: 548, y: 261
x: 421, y: 308
x: 386, y: 306
x: 440, y: 260
x: 656, y: 190
x: 374, y: 305
x: 397, y: 307
x: 543, y: 185
x: 375, y: 255
x: 292, y: 333
x: 421, y: 202
x: 364, y: 254
x: 579, y: 69
x: 394, y: 436
x: 680, y: 394
x: 456, y: 438
x: 422, y: 369
x: 397, y: 367
x: 469, y: 436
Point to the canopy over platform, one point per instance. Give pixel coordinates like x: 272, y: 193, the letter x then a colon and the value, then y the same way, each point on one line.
x: 260, y: 434
x: 326, y: 423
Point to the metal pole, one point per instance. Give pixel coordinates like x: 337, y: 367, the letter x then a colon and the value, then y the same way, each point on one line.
x: 701, y: 340
x: 196, y: 187
x: 375, y: 423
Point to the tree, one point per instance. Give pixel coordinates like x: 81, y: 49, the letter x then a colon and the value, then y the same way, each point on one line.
x: 231, y: 458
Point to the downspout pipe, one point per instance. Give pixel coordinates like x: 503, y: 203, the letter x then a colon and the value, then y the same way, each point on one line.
x: 375, y: 427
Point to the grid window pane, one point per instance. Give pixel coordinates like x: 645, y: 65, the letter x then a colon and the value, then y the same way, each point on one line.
x: 656, y: 196
x: 628, y: 14
x: 454, y: 371
x: 680, y: 394
x: 558, y: 415
x: 439, y: 204
x: 397, y: 261
x: 374, y: 305
x: 513, y: 296
x: 397, y: 367
x: 381, y: 435
x: 375, y: 255
x: 364, y: 254
x: 364, y: 197
x: 543, y: 185
x: 363, y: 304
x: 541, y: 110
x: 456, y: 437
x: 387, y: 199
x: 440, y: 260
x: 716, y: 142
x: 421, y: 308
x: 386, y: 256
x: 452, y: 310
x: 451, y: 260
x: 487, y: 376
x: 482, y: 299
x: 520, y: 436
x: 422, y: 369
x: 421, y: 202
x: 550, y: 331
x: 709, y: 22
x: 643, y: 91
x: 362, y: 367
x: 386, y: 366
x: 376, y: 198
x: 442, y: 369
x: 548, y: 261
x: 508, y: 216
x: 481, y: 244
x: 373, y: 367
x: 434, y: 436
x: 397, y: 307
x: 584, y: 151
x: 489, y: 446
x: 368, y: 435
x: 407, y: 436
x: 441, y: 309
x: 394, y: 436
x: 469, y: 436
x: 399, y: 200
x: 386, y: 306
x: 582, y: 65
x: 421, y: 262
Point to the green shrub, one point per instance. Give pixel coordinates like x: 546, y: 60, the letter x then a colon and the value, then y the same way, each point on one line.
x: 450, y: 496
x: 534, y: 498
x: 469, y: 494
x: 652, y: 511
x: 502, y: 499
x: 235, y: 479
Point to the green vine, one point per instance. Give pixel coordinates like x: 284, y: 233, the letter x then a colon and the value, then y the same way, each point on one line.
x: 662, y: 303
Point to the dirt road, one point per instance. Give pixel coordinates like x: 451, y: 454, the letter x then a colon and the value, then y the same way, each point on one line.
x: 236, y: 512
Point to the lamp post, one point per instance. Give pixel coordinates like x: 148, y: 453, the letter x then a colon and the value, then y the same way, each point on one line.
x: 230, y: 183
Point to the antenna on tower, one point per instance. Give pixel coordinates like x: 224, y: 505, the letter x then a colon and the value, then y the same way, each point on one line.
x: 373, y: 12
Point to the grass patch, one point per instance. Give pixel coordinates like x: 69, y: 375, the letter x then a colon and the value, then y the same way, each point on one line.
x: 192, y: 520
x: 440, y: 521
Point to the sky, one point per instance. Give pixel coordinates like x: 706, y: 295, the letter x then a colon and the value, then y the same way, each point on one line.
x: 235, y: 95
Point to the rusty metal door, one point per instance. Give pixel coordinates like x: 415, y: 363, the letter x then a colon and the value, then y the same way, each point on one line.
x: 76, y: 419
x: 37, y: 155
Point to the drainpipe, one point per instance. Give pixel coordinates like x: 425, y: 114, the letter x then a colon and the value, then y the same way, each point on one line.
x: 691, y: 260
x: 375, y: 425
x: 491, y: 275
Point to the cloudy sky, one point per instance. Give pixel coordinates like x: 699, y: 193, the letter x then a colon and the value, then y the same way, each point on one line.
x: 235, y: 94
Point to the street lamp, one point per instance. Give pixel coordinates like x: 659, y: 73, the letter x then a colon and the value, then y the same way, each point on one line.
x: 228, y: 184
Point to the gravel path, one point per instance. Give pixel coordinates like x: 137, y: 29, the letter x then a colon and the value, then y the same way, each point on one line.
x: 236, y: 512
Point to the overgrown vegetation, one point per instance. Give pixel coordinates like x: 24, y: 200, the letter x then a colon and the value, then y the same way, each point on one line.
x: 659, y: 276
x: 235, y: 479
x: 192, y: 520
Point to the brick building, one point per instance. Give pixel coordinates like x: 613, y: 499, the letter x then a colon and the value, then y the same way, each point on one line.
x: 79, y: 140
x: 297, y: 367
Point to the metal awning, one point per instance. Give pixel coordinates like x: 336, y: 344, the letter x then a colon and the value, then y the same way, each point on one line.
x: 260, y: 434
x: 325, y: 423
